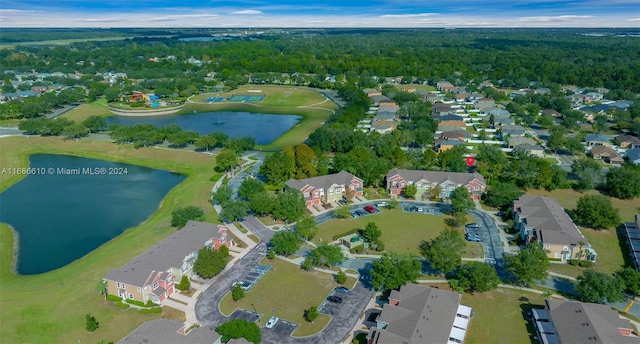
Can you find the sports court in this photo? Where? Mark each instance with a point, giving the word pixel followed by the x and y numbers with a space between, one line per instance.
pixel 245 98
pixel 214 99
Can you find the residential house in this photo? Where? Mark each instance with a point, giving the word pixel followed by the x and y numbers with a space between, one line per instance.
pixel 627 141
pixel 445 145
pixel 511 130
pixel 564 321
pixel 372 92
pixel 328 188
pixel 542 219
pixel 633 156
pixel 596 140
pixel 632 233
pixel 449 117
pixel 385 116
pixel 542 90
pixel 458 135
pixel 376 98
pixel 460 97
pixel 520 140
pixel 484 103
pixel 606 154
pixel 431 98
pixel 576 100
pixel 165 331
pixel 534 150
pixel 418 314
pixel 459 125
pixel 383 127
pixel 551 112
pixel 595 96
pixel 152 275
pixel 387 102
pixel 445 86
pixel 397 179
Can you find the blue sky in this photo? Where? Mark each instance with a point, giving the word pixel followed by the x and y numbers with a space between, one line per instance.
pixel 330 13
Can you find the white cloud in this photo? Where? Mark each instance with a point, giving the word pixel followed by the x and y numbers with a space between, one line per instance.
pixel 247 12
pixel 552 18
pixel 633 19
pixel 8 11
pixel 176 17
pixel 416 15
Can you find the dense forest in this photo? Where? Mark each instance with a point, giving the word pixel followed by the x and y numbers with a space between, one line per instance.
pixel 507 57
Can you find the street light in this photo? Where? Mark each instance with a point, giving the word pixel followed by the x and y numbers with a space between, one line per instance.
pixel 254 310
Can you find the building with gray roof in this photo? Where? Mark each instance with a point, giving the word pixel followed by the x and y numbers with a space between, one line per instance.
pixel 418 314
pixel 397 179
pixel 165 331
pixel 562 322
pixel 542 219
pixel 328 188
pixel 633 155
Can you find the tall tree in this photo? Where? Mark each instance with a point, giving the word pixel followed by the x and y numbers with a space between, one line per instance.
pixel 596 211
pixel 530 264
pixel 226 160
pixel 477 277
pixel 630 279
pixel 290 206
pixel 394 270
pixel 285 243
pixel 624 182
pixel 306 227
pixel 599 287
pixel 240 328
pixel 209 262
pixel 181 216
pixel 501 195
pixel 460 200
pixel 325 255
pixel 444 252
pixel 371 232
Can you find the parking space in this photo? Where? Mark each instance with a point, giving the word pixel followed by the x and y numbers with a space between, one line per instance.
pixel 283 328
pixel 428 209
pixel 246 315
pixel 364 210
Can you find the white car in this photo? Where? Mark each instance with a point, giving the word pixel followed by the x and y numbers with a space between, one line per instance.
pixel 272 322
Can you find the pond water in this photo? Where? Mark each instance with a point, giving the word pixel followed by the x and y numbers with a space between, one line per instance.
pixel 72 205
pixel 264 128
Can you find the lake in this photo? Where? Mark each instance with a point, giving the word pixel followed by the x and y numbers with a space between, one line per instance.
pixel 264 128
pixel 73 205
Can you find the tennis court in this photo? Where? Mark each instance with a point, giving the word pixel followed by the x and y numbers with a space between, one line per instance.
pixel 245 98
pixel 214 99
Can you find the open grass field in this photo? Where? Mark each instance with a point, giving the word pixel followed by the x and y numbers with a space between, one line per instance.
pixel 61 41
pixel 97 108
pixel 607 243
pixel 312 106
pixel 499 316
pixel 50 307
pixel 288 290
pixel 401 232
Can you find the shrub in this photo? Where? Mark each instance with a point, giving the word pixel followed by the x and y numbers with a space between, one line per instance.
pixel 341 277
pixel 114 298
pixel 135 302
pixel 585 263
pixel 572 262
pixel 184 284
pixel 91 324
pixel 215 177
pixel 357 249
pixel 380 246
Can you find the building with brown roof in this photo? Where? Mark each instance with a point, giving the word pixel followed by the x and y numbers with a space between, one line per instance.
pixel 567 322
pixel 606 154
pixel 165 331
pixel 417 314
pixel 397 179
pixel 627 141
pixel 328 188
pixel 542 219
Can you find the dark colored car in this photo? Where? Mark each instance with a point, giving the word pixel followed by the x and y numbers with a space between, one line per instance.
pixel 471 225
pixel 335 299
pixel 342 290
pixel 370 209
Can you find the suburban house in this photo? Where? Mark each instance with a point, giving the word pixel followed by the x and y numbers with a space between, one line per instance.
pixel 581 322
pixel 327 189
pixel 520 140
pixel 627 141
pixel 534 150
pixel 606 154
pixel 633 155
pixel 397 179
pixel 445 86
pixel 152 275
pixel 632 233
pixel 511 130
pixel 163 331
pixel 445 145
pixel 458 135
pixel 597 140
pixel 383 127
pixel 418 314
pixel 542 219
pixel 484 103
pixel 551 112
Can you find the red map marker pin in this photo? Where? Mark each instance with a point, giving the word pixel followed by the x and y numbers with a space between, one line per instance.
pixel 470 160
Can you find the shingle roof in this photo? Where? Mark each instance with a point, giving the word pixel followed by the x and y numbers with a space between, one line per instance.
pixel 597 151
pixel 322 182
pixel 169 253
pixel 424 315
pixel 633 154
pixel 164 331
pixel 550 221
pixel 581 322
pixel 596 138
pixel 459 178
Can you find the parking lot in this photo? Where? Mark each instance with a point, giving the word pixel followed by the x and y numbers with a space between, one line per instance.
pixel 282 328
pixel 364 210
pixel 424 208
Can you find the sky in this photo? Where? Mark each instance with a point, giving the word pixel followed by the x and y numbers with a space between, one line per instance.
pixel 328 13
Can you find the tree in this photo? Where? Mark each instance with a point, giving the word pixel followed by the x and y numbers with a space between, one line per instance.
pixel 290 206
pixel 234 210
pixel 95 123
pixel 589 173
pixel 181 216
pixel 342 212
pixel 477 277
pixel 371 232
pixel 410 190
pixel 599 287
pixel 209 262
pixel 275 169
pixel 460 200
pixel 529 265
pixel 311 314
pixel 102 288
pixel 623 182
pixel 630 279
pixel 394 270
pixel 91 324
pixel 184 284
pixel 341 277
pixel 239 328
pixel 596 211
pixel 307 227
pixel 249 187
pixel 325 255
pixel 285 243
pixel 226 160
pixel 261 203
pixel 237 293
pixel 444 252
pixel 556 137
pixel 501 195
pixel 222 195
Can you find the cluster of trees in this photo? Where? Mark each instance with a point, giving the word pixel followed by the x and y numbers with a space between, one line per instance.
pixel 240 328
pixel 62 126
pixel 297 162
pixel 210 261
pixel 444 252
pixel 324 255
pixel 181 216
pixel 35 106
pixel 596 211
pixel 287 205
pixel 599 287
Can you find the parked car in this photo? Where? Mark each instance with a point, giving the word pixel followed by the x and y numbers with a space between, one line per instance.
pixel 342 201
pixel 334 299
pixel 370 209
pixel 471 225
pixel 272 322
pixel 244 284
pixel 341 290
pixel 419 209
pixel 413 208
pixel 359 212
pixel 382 204
pixel 354 214
pixel 473 237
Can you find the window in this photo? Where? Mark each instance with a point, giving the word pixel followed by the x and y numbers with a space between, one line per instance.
pixel 556 255
pixel 418 185
pixel 330 191
pixel 547 246
pixel 476 188
pixel 394 183
pixel 155 285
pixel 131 296
pixel 306 194
pixel 118 285
pixel 139 289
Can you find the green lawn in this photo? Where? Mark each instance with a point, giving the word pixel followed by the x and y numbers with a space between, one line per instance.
pixel 97 108
pixel 499 316
pixel 606 242
pixel 50 307
pixel 286 291
pixel 401 232
pixel 566 269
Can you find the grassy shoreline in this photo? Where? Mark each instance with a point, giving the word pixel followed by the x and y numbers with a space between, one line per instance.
pixel 50 307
